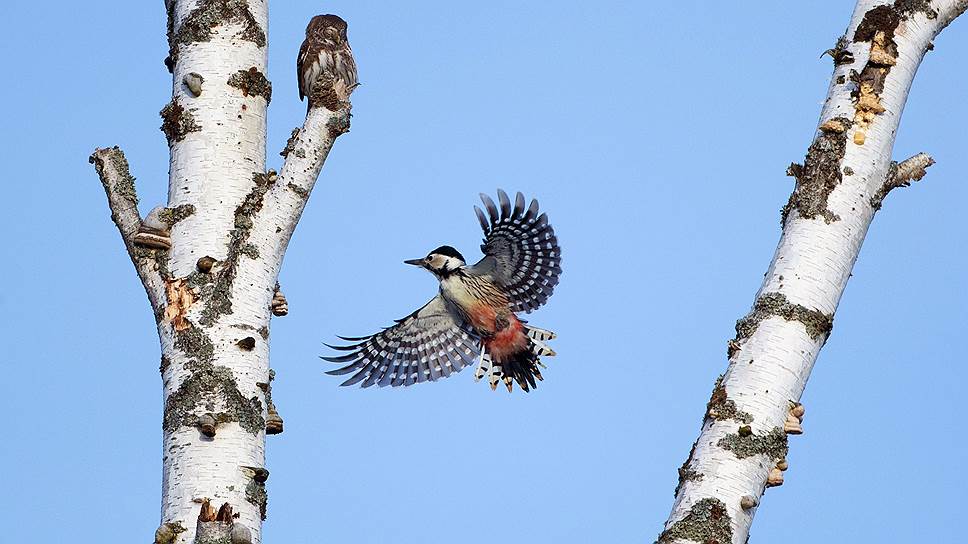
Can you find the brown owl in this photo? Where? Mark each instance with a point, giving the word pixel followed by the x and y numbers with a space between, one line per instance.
pixel 326 50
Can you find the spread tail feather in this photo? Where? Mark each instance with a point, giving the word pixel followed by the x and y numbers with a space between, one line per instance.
pixel 522 367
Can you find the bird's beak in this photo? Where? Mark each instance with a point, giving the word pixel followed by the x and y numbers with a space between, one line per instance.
pixel 415 262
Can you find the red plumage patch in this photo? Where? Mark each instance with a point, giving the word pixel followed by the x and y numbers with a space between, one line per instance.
pixel 504 333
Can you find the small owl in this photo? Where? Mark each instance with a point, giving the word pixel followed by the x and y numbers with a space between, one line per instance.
pixel 326 50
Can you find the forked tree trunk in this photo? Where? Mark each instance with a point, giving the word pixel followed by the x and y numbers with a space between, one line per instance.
pixel 841 184
pixel 209 261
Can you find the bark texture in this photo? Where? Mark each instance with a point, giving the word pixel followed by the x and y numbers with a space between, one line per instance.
pixel 210 260
pixel 841 183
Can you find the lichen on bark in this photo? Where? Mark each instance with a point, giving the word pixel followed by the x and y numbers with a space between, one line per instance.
pixel 168 532
pixel 208 388
pixel 125 183
pixel 772 444
pixel 200 25
pixel 339 125
pixel 177 121
pixel 722 408
pixel 171 216
pixel 255 493
pixel 219 302
pixel 707 522
pixel 818 176
pixel 250 250
pixel 817 323
pixel 252 82
pixel 195 344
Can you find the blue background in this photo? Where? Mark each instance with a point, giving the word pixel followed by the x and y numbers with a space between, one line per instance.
pixel 655 135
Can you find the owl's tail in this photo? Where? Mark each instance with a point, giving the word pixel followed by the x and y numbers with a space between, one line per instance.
pixel 521 366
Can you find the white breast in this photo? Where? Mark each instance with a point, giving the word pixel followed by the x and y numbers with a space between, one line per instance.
pixel 456 291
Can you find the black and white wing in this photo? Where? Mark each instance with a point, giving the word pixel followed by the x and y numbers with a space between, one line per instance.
pixel 520 251
pixel 433 342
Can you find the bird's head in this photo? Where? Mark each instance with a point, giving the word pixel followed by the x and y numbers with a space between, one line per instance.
pixel 330 29
pixel 441 261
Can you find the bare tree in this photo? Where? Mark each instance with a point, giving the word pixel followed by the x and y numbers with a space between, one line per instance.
pixel 842 182
pixel 209 260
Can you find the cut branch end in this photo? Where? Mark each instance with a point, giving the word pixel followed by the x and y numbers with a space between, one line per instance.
pixel 901 175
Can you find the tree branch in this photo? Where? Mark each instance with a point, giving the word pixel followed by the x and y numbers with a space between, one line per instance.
pixel 742 447
pixel 901 175
pixel 112 168
pixel 305 153
pixel 284 201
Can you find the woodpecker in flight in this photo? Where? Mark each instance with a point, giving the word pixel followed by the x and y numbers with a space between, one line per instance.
pixel 472 318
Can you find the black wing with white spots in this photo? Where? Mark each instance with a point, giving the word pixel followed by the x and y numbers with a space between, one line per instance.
pixel 521 250
pixel 433 342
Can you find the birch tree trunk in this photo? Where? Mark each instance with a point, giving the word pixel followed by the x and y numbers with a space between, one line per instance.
pixel 846 175
pixel 209 261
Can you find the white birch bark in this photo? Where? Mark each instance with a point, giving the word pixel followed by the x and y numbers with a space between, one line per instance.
pixel 227 224
pixel 848 170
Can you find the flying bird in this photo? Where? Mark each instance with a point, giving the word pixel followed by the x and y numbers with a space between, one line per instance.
pixel 326 50
pixel 473 317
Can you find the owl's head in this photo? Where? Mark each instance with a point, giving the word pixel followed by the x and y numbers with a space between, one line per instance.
pixel 329 29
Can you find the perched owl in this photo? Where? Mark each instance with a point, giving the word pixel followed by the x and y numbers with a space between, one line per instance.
pixel 326 50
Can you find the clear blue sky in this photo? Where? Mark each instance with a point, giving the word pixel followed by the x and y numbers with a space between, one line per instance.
pixel 655 135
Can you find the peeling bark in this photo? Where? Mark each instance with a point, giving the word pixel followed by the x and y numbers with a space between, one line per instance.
pixel 210 262
pixel 848 171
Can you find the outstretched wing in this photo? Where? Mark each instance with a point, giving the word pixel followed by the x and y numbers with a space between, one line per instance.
pixel 433 342
pixel 520 251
